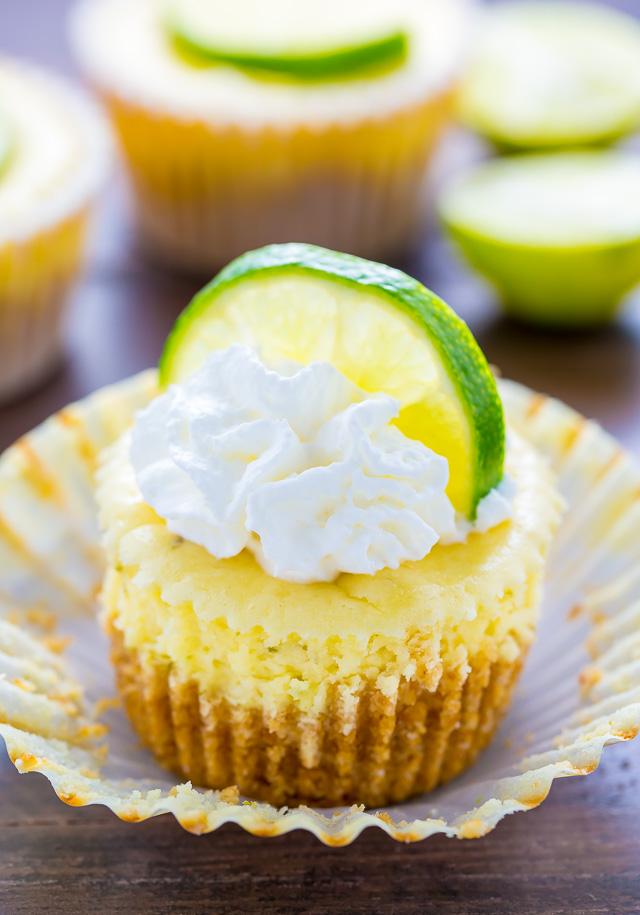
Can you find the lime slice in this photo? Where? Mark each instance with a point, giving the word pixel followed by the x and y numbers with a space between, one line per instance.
pixel 381 328
pixel 558 234
pixel 290 38
pixel 551 75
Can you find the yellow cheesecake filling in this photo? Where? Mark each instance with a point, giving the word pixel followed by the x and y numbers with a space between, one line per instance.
pixel 236 631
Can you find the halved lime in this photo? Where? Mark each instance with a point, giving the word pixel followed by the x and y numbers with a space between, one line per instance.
pixel 291 38
pixel 381 328
pixel 548 75
pixel 558 234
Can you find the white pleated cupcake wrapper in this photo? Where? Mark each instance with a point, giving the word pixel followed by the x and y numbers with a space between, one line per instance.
pixel 372 212
pixel 580 690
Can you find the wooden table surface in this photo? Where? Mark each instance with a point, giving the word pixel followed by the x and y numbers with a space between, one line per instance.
pixel 578 853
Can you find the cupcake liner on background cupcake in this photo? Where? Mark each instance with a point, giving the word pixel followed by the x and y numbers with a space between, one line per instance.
pixel 57 162
pixel 220 162
pixel 580 689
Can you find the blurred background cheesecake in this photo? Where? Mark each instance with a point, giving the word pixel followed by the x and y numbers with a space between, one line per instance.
pixel 53 157
pixel 245 124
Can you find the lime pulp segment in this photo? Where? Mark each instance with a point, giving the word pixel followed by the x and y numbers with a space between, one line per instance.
pixel 555 200
pixel 381 328
pixel 289 39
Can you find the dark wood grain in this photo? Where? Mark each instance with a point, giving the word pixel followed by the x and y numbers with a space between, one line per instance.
pixel 578 853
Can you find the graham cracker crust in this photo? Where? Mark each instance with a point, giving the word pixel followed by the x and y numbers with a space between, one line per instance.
pixel 382 751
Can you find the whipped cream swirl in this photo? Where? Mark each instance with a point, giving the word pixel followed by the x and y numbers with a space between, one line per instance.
pixel 299 465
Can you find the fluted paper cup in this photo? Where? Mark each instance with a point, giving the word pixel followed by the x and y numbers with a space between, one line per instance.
pixel 580 690
pixel 203 193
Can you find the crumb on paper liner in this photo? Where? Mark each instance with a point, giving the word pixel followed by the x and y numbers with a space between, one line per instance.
pixel 50 563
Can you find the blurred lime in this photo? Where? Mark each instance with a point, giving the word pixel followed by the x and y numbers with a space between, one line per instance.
pixel 551 75
pixel 290 38
pixel 558 234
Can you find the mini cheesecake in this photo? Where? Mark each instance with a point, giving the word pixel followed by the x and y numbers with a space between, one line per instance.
pixel 367 689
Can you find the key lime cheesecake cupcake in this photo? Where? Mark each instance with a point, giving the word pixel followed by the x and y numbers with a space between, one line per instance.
pixel 53 156
pixel 247 123
pixel 324 552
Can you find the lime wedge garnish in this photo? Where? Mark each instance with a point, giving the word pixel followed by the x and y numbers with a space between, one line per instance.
pixel 378 326
pixel 289 38
pixel 558 234
pixel 548 75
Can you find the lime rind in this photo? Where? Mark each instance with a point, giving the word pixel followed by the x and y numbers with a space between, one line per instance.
pixel 373 58
pixel 462 361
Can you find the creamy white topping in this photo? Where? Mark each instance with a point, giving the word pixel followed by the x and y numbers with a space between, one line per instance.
pixel 300 466
pixel 59 150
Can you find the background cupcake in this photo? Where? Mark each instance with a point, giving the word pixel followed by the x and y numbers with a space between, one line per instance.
pixel 53 157
pixel 222 158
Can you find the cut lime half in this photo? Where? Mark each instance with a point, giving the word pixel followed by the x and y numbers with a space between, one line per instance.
pixel 290 38
pixel 381 328
pixel 551 75
pixel 558 234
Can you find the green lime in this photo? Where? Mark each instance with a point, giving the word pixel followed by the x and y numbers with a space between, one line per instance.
pixel 551 75
pixel 381 328
pixel 290 38
pixel 558 234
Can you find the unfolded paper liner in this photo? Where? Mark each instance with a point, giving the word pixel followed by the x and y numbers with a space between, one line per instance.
pixel 580 690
